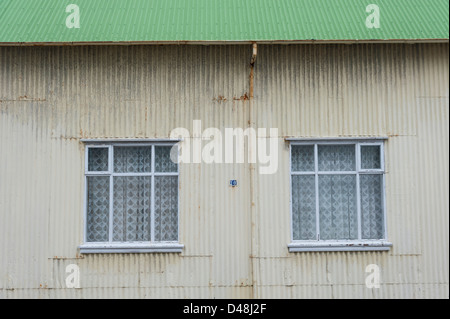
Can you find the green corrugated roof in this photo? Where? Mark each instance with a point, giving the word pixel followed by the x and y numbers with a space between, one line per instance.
pixel 38 21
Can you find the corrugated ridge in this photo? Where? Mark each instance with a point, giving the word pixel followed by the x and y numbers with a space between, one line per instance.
pixel 39 21
pixel 50 98
pixel 399 91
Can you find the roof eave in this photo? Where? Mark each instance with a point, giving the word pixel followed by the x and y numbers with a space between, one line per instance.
pixel 225 42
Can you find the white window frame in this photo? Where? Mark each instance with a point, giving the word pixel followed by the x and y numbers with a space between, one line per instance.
pixel 135 246
pixel 340 245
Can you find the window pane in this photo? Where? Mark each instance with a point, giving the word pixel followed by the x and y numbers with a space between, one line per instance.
pixel 303 207
pixel 370 157
pixel 337 207
pixel 372 217
pixel 97 209
pixel 132 196
pixel 163 163
pixel 166 208
pixel 97 159
pixel 303 158
pixel 133 159
pixel 337 158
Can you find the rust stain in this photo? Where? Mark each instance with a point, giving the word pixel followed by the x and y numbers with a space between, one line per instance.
pixel 244 97
pixel 67 138
pixel 67 258
pixel 220 98
pixel 252 77
pixel 25 98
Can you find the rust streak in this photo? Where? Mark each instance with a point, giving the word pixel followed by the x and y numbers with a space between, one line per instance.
pixel 25 98
pixel 244 97
pixel 251 80
pixel 220 98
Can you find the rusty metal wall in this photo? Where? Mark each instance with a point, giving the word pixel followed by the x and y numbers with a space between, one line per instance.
pixel 397 91
pixel 52 97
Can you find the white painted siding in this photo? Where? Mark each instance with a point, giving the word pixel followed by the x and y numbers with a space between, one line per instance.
pixel 51 97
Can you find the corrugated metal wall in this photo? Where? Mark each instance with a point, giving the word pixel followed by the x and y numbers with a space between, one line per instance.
pixel 399 91
pixel 52 97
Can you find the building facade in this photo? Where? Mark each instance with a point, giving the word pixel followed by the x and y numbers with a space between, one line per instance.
pixel 235 242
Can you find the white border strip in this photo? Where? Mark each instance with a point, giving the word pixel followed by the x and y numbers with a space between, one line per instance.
pixel 340 246
pixel 333 139
pixel 134 140
pixel 130 248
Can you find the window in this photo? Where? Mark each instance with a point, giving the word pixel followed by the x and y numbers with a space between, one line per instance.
pixel 337 196
pixel 131 199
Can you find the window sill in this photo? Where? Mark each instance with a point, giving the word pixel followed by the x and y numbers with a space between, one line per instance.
pixel 130 248
pixel 315 246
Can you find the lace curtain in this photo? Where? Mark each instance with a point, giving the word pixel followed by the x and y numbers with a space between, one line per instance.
pixel 98 209
pixel 132 195
pixel 304 207
pixel 98 159
pixel 338 193
pixel 372 216
pixel 370 157
pixel 166 208
pixel 132 159
pixel 132 210
pixel 337 207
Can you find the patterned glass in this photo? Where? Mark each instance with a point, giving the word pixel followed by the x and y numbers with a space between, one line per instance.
pixel 131 211
pixel 166 208
pixel 133 159
pixel 303 158
pixel 131 217
pixel 337 207
pixel 98 159
pixel 370 157
pixel 337 158
pixel 304 207
pixel 97 209
pixel 163 163
pixel 372 217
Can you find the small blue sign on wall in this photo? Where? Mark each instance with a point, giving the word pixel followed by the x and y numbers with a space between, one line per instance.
pixel 233 183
